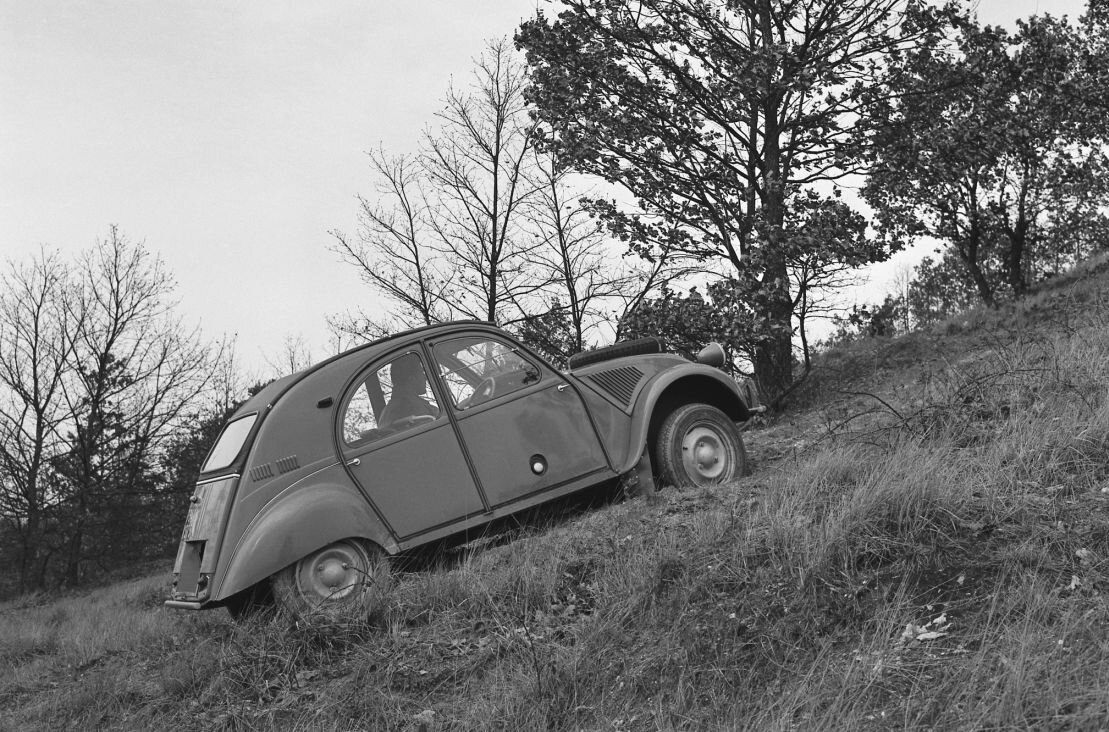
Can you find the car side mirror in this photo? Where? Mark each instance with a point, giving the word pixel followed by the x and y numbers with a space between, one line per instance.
pixel 712 355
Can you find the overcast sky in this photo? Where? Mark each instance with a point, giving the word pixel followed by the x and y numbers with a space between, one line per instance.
pixel 230 136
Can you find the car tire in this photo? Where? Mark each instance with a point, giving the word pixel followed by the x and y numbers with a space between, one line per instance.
pixel 697 445
pixel 350 575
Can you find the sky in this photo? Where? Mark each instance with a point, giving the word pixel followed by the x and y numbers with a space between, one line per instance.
pixel 230 137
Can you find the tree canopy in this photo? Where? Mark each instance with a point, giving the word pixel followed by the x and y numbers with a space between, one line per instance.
pixel 723 121
pixel 993 143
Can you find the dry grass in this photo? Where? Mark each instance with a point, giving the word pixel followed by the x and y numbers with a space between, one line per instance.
pixel 926 547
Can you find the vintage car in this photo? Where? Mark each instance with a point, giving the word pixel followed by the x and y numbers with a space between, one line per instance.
pixel 321 476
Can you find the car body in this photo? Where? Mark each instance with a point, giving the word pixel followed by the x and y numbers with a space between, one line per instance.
pixel 429 433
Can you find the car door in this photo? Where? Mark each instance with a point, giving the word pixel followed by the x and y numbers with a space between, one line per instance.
pixel 400 447
pixel 524 428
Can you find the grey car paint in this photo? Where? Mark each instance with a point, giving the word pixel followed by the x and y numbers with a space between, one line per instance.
pixel 295 485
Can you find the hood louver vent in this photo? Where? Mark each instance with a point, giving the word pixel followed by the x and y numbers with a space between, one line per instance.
pixel 619 382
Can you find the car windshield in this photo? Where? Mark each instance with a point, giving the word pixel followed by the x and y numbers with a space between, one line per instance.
pixel 230 442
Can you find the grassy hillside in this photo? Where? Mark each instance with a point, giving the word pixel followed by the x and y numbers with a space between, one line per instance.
pixel 924 545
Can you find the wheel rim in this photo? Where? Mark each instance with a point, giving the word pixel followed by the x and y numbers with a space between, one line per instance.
pixel 337 572
pixel 705 454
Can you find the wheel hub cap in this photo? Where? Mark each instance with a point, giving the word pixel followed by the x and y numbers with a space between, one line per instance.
pixel 334 573
pixel 704 454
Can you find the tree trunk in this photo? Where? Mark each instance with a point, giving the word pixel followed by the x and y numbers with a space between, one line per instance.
pixel 774 354
pixel 1014 258
pixel 985 292
pixel 1014 269
pixel 29 552
pixel 968 252
pixel 74 547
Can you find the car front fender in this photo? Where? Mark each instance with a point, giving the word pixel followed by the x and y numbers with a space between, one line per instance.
pixel 672 388
pixel 295 523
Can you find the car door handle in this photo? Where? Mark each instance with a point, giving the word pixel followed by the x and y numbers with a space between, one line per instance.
pixel 562 387
pixel 355 461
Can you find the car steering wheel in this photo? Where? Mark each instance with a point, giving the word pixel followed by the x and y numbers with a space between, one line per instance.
pixel 484 391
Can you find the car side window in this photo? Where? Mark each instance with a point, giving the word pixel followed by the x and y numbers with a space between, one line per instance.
pixel 476 369
pixel 393 398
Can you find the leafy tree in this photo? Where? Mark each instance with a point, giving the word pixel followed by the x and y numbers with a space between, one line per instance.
pixel 939 288
pixel 717 118
pixel 688 322
pixel 993 143
pixel 825 242
pixel 685 322
pixel 869 321
pixel 551 333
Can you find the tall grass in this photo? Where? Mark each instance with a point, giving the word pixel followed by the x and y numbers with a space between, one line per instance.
pixel 931 556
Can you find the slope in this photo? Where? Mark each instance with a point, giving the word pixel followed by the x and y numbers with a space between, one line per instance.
pixel 923 545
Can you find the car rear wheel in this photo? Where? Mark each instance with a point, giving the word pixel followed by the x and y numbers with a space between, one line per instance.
pixel 697 445
pixel 350 574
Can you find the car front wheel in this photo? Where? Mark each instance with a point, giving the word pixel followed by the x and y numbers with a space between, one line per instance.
pixel 697 445
pixel 350 574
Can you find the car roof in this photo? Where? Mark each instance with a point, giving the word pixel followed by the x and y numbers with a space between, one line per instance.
pixel 397 338
pixel 276 389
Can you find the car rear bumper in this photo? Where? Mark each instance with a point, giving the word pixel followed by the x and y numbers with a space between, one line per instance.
pixel 184 605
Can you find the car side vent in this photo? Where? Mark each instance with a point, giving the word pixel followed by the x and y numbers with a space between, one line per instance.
pixel 619 382
pixel 285 464
pixel 261 472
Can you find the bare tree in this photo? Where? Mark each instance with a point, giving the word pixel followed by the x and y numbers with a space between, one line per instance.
pixel 478 183
pixel 445 236
pixel 392 251
pixel 135 370
pixel 295 355
pixel 481 224
pixel 588 284
pixel 37 328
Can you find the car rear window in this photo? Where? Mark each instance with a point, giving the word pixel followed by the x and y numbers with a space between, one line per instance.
pixel 229 443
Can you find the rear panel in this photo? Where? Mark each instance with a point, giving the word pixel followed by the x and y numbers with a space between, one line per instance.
pixel 209 508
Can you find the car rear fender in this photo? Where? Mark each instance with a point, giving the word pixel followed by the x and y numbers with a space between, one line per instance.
pixel 294 524
pixel 673 388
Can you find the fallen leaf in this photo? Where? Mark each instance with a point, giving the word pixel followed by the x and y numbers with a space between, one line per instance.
pixel 304 676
